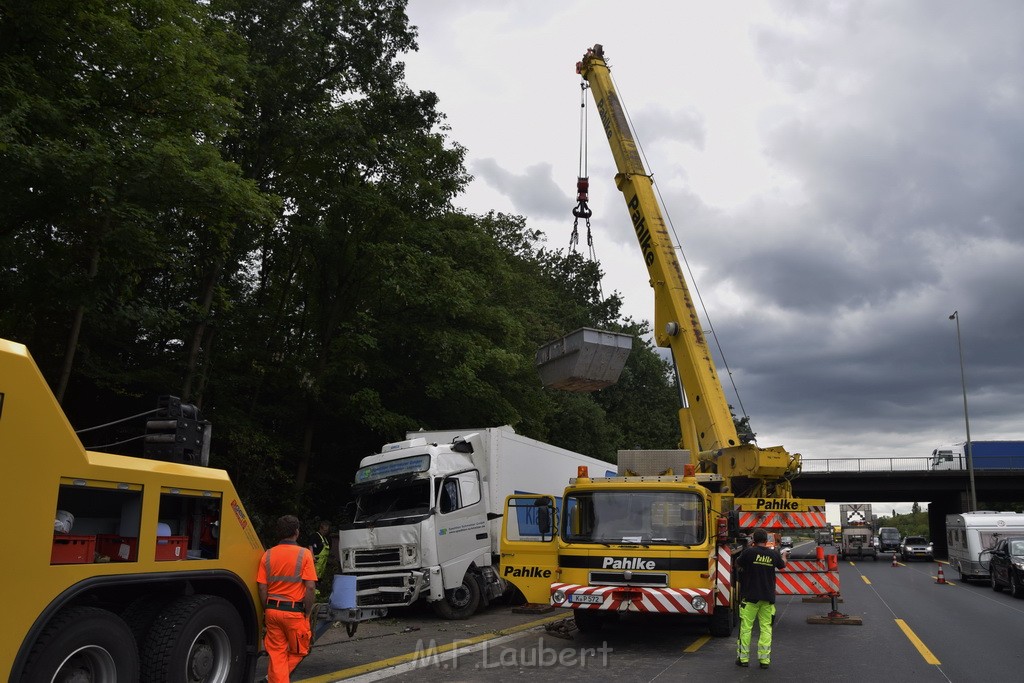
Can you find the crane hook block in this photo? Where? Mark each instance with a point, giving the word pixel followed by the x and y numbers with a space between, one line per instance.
pixel 582 197
pixel 582 189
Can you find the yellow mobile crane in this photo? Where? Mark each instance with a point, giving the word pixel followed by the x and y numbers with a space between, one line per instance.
pixel 658 537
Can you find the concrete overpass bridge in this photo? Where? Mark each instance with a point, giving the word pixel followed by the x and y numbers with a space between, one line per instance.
pixel 871 480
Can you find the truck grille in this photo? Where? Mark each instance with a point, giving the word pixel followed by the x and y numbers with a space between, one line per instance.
pixel 368 592
pixel 378 557
pixel 636 579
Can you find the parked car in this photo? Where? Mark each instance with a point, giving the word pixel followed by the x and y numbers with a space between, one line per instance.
pixel 916 548
pixel 786 542
pixel 1006 565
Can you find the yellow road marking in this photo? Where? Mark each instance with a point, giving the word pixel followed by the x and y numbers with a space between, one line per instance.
pixel 429 653
pixel 698 644
pixel 916 642
pixel 866 579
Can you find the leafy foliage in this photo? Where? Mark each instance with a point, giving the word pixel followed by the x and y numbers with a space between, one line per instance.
pixel 243 203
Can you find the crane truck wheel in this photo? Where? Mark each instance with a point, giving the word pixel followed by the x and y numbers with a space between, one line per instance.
pixel 84 644
pixel 588 620
pixel 195 638
pixel 460 602
pixel 721 622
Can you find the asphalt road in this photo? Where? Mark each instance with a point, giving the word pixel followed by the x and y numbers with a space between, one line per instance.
pixel 913 629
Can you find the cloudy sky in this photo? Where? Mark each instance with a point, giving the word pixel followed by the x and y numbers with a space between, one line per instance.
pixel 841 176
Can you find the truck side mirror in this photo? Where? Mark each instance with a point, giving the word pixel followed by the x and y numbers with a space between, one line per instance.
pixel 543 517
pixel 734 523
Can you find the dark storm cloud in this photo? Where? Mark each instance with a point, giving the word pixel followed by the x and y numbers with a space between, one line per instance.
pixel 533 193
pixel 907 140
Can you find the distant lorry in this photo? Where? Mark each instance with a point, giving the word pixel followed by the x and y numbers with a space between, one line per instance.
pixel 427 518
pixel 855 520
pixel 970 535
pixel 985 455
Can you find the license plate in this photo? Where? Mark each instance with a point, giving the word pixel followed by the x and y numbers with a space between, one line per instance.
pixel 586 599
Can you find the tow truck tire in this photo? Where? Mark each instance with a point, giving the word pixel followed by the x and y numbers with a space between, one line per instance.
pixel 460 602
pixel 195 638
pixel 140 614
pixel 84 643
pixel 721 622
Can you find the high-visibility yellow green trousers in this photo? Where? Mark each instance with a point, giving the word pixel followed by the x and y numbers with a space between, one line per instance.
pixel 762 611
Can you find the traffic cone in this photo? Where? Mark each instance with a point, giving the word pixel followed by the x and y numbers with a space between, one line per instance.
pixel 940 577
pixel 894 560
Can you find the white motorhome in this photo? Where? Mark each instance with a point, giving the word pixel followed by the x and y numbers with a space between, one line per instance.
pixel 971 534
pixel 428 513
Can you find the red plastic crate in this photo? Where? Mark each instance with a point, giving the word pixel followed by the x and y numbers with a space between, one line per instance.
pixel 118 548
pixel 171 548
pixel 69 549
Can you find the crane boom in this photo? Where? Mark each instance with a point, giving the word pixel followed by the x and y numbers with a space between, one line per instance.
pixel 706 423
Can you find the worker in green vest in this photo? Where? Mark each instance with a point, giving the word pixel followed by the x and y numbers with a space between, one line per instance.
pixel 320 546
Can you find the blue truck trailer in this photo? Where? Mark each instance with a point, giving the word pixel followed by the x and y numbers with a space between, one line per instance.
pixel 986 455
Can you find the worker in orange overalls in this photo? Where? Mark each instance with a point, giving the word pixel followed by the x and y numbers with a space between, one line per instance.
pixel 286 580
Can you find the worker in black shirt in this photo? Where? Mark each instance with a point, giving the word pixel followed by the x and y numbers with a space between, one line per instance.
pixel 756 566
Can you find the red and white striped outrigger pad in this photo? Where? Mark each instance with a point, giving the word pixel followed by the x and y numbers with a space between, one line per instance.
pixel 634 598
pixel 724 578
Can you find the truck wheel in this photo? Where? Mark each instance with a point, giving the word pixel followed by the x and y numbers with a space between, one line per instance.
pixel 588 620
pixel 84 644
pixel 460 602
pixel 195 638
pixel 721 621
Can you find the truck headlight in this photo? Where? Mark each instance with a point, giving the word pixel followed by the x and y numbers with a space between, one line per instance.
pixel 558 597
pixel 699 603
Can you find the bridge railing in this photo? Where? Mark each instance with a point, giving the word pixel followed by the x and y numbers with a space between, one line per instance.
pixel 838 465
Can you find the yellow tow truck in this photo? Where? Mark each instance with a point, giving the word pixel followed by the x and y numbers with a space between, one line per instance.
pixel 104 578
pixel 120 568
pixel 659 537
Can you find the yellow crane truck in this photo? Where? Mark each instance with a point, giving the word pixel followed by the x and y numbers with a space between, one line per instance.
pixel 126 585
pixel 660 536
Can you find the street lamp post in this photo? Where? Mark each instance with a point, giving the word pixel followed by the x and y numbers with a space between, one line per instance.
pixel 967 420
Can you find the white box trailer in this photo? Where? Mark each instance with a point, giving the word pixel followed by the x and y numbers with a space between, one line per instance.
pixel 427 520
pixel 971 534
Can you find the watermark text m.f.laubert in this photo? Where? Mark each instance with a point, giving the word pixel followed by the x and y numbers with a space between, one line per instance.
pixel 430 654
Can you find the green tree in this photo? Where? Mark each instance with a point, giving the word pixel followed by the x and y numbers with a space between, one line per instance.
pixel 112 117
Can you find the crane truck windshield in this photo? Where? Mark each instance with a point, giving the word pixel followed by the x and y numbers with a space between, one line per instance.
pixel 644 517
